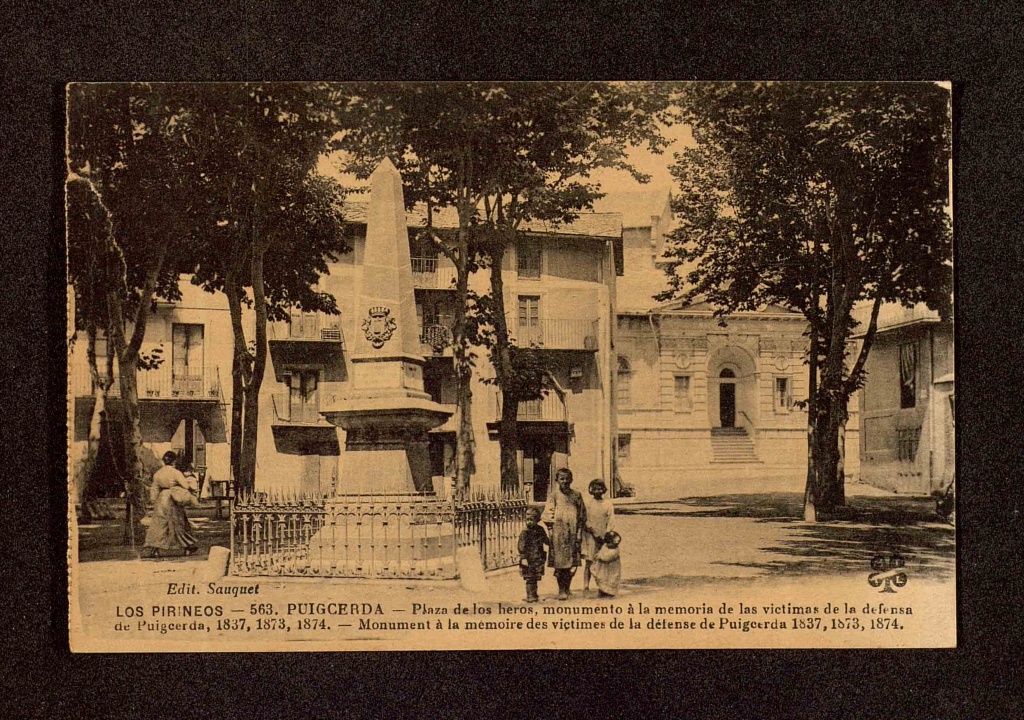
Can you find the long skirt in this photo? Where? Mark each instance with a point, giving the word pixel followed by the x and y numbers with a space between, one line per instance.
pixel 170 528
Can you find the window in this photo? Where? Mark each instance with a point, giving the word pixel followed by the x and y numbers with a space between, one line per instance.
pixel 528 259
pixel 783 394
pixel 623 385
pixel 906 443
pixel 622 453
pixel 682 396
pixel 529 320
pixel 908 375
pixel 186 359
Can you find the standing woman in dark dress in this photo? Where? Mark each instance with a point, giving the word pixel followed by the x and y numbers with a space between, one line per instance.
pixel 566 517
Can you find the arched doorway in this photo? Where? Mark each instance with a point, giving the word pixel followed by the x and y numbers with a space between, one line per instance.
pixel 727 398
pixel 732 388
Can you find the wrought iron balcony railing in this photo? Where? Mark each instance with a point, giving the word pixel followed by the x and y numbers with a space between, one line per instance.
pixel 311 326
pixel 436 339
pixel 431 274
pixel 556 334
pixel 170 383
pixel 550 408
pixel 290 410
pixel 163 383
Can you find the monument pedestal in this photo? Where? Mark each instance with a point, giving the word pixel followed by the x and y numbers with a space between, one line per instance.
pixel 386 419
pixel 386 443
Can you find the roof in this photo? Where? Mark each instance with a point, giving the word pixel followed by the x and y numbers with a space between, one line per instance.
pixel 893 316
pixel 637 207
pixel 604 225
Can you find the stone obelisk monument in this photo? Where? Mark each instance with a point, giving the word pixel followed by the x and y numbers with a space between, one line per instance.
pixel 386 415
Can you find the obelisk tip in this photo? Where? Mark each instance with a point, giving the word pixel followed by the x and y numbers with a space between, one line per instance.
pixel 385 167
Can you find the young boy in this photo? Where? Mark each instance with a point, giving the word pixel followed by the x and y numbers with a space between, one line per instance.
pixel 531 553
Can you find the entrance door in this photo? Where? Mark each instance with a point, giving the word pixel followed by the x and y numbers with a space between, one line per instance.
pixel 537 466
pixel 727 399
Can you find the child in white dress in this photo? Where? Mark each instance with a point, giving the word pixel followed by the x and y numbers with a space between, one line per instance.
pixel 608 566
pixel 600 520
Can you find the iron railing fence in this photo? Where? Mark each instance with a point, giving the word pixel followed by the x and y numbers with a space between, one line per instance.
pixel 493 525
pixel 371 536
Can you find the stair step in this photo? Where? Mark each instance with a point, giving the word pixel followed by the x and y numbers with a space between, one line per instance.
pixel 732 446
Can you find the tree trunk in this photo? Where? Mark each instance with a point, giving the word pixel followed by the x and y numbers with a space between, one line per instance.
pixel 237 410
pixel 240 368
pixel 465 464
pixel 508 439
pixel 831 472
pixel 508 432
pixel 85 477
pixel 135 506
pixel 252 390
pixel 811 490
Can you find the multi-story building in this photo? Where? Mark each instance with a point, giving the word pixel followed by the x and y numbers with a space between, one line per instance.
pixel 659 395
pixel 559 297
pixel 183 403
pixel 907 440
pixel 698 403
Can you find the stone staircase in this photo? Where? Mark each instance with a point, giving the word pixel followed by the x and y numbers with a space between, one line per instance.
pixel 732 446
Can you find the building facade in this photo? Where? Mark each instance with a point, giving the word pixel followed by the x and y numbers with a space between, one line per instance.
pixel 183 404
pixel 907 439
pixel 701 405
pixel 558 294
pixel 657 396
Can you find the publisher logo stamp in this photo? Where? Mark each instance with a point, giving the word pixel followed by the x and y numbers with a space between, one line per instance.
pixel 888 572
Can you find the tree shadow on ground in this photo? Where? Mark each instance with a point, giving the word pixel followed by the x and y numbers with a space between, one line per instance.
pixel 101 540
pixel 868 528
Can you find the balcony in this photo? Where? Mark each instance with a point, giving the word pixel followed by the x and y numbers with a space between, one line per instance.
pixel 892 316
pixel 163 383
pixel 553 334
pixel 311 327
pixel 436 339
pixel 169 383
pixel 429 274
pixel 544 417
pixel 290 410
pixel 550 408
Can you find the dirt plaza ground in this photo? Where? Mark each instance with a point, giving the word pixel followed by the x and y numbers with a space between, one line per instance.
pixel 729 544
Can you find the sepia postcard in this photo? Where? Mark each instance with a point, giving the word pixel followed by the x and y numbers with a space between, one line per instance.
pixel 510 365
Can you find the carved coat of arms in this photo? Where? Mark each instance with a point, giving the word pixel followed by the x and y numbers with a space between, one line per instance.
pixel 379 326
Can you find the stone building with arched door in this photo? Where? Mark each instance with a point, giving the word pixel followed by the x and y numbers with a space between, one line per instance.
pixel 701 406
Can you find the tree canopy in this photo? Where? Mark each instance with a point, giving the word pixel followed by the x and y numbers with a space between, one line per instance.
pixel 502 154
pixel 816 197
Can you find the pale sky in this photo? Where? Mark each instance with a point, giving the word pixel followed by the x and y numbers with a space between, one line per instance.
pixel 611 180
pixel 654 165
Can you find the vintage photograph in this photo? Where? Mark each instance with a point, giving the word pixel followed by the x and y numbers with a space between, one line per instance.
pixel 510 365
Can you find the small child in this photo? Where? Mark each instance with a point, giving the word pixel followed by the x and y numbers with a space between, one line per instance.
pixel 531 553
pixel 608 565
pixel 600 520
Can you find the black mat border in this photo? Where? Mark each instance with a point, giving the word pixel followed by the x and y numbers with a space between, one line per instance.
pixel 979 50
